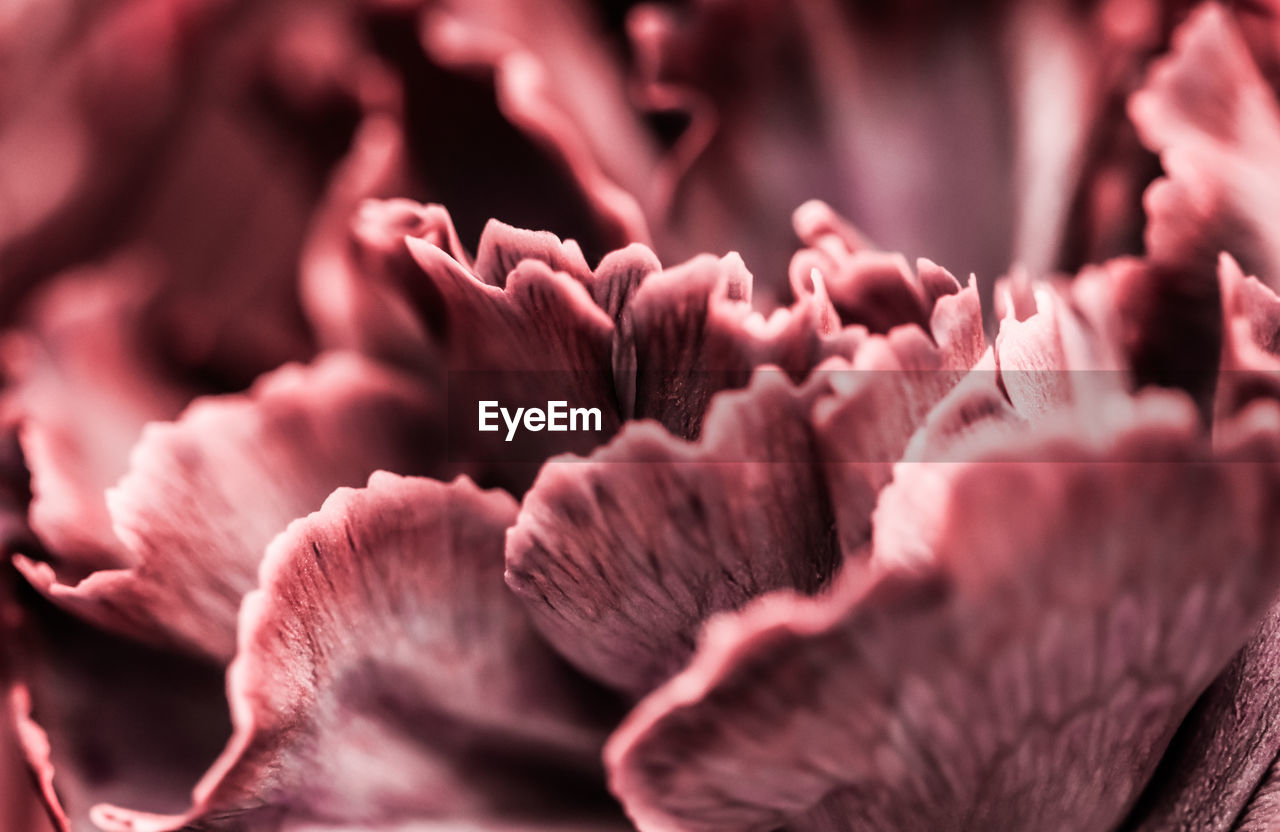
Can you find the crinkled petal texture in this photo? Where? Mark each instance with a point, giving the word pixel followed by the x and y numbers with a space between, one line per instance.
pixel 206 493
pixel 1070 600
pixel 385 673
pixel 622 556
pixel 883 395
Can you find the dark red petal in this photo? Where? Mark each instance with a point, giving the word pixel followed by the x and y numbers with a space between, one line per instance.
pixel 557 80
pixel 384 672
pixel 106 719
pixel 1171 328
pixel 1060 620
pixel 206 493
pixel 1208 112
pixel 695 334
pixel 620 557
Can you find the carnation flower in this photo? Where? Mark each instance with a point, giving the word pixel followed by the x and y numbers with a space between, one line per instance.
pixel 305 302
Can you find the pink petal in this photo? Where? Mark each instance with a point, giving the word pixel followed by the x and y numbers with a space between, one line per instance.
pixel 962 691
pixel 1216 124
pixel 382 627
pixel 882 397
pixel 348 298
pixel 25 749
pixel 155 132
pixel 1222 755
pixel 1056 359
pixel 206 493
pixel 620 557
pixel 85 350
pixel 1249 369
pixel 503 248
pixel 538 338
pixel 55 139
pixel 695 334
pixel 1263 810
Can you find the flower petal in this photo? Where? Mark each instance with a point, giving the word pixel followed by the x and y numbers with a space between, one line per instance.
pixel 1250 370
pixel 961 690
pixel 1225 748
pixel 83 352
pixel 206 493
pixel 789 103
pixel 557 79
pixel 537 339
pixel 104 718
pixel 695 334
pixel 1056 359
pixel 621 556
pixel 384 673
pixel 882 397
pixel 1263 810
pixel 1208 112
pixel 348 309
pixel 503 248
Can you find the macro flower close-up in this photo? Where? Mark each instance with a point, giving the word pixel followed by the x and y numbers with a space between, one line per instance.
pixel 673 415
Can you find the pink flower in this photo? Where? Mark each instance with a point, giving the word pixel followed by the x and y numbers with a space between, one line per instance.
pixel 832 554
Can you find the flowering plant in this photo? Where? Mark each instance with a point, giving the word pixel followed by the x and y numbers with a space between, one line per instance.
pixel 698 507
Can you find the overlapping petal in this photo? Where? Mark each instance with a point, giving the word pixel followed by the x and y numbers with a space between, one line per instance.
pixel 1028 673
pixel 1215 122
pixel 382 632
pixel 206 493
pixel 621 557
